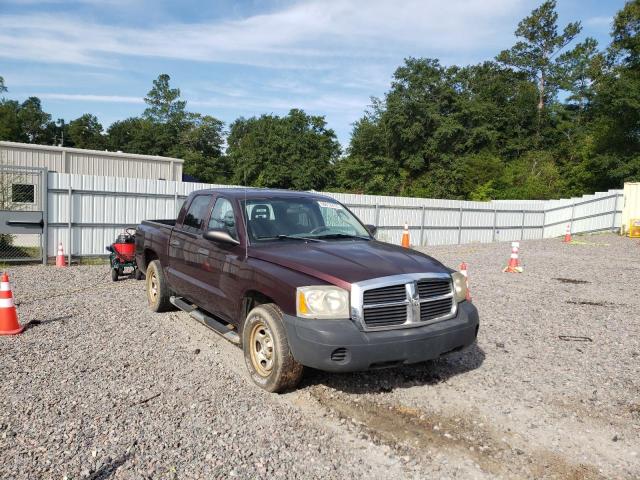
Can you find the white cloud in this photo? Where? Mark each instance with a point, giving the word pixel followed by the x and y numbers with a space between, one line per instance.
pixel 310 34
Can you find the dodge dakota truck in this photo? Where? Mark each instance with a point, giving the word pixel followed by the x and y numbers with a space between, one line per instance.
pixel 296 279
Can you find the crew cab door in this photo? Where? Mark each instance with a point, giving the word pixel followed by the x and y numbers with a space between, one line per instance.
pixel 185 255
pixel 222 263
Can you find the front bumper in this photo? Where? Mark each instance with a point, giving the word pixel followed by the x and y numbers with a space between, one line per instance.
pixel 340 346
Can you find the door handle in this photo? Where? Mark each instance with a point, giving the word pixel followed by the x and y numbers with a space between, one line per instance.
pixel 174 243
pixel 203 251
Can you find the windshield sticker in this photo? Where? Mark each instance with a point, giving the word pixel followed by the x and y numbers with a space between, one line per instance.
pixel 335 206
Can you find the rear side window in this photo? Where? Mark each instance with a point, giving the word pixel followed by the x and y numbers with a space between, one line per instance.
pixel 194 219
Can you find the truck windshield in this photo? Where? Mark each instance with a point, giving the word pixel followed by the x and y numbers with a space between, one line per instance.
pixel 304 218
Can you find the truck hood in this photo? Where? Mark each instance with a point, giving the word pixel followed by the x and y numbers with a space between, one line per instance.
pixel 343 262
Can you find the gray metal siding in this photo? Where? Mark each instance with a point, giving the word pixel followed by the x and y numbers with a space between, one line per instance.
pixel 90 162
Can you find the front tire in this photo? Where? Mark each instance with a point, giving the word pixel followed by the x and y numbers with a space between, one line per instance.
pixel 158 292
pixel 114 275
pixel 266 350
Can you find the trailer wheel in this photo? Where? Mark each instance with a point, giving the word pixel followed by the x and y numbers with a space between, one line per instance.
pixel 157 289
pixel 266 350
pixel 114 275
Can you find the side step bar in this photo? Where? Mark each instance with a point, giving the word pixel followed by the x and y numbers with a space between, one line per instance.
pixel 222 329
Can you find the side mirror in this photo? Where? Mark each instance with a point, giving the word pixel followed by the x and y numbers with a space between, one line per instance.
pixel 221 236
pixel 372 229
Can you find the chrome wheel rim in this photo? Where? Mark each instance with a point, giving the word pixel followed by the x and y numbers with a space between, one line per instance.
pixel 261 347
pixel 153 287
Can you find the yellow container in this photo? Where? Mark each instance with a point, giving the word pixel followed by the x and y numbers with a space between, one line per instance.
pixel 631 206
pixel 634 228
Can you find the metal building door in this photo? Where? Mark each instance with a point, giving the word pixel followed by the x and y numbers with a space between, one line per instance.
pixel 23 214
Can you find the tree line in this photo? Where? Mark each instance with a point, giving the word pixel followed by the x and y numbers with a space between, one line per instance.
pixel 549 117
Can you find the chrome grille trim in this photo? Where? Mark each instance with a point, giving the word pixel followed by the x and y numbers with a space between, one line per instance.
pixel 412 301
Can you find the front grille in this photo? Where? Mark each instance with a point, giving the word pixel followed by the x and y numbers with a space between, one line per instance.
pixel 385 316
pixel 393 306
pixel 433 288
pixel 392 293
pixel 435 309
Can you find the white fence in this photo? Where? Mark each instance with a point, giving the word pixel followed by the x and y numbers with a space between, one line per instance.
pixel 86 212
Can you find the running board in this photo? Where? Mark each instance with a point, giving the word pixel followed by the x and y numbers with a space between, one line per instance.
pixel 222 329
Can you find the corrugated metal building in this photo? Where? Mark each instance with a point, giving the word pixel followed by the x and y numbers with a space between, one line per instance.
pixel 90 162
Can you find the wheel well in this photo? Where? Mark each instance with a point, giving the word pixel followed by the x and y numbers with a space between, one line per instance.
pixel 149 256
pixel 252 299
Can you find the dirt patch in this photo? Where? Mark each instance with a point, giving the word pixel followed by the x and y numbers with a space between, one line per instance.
pixel 415 432
pixel 572 281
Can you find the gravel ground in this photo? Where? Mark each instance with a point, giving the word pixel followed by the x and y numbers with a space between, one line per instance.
pixel 99 387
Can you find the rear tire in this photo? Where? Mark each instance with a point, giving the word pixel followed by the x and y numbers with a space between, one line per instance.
pixel 138 275
pixel 266 350
pixel 114 275
pixel 158 292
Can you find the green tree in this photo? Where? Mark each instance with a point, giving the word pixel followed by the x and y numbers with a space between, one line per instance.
pixel 86 132
pixel 34 121
pixel 10 124
pixel 613 148
pixel 200 145
pixel 3 88
pixel 538 52
pixel 625 45
pixel 295 151
pixel 439 131
pixel 139 135
pixel 164 104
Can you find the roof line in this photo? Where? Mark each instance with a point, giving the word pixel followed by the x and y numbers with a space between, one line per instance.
pixel 86 151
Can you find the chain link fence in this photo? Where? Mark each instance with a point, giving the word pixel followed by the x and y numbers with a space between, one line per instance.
pixel 21 213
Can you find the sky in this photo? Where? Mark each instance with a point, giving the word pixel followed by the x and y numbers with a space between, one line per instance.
pixel 249 57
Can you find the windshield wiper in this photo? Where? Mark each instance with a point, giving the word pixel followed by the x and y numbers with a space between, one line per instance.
pixel 343 235
pixel 306 239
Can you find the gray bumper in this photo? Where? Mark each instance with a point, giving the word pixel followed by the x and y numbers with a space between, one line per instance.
pixel 340 346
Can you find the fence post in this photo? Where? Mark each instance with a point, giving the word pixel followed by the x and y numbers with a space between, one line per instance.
pixel 460 227
pixel 377 218
pixel 495 223
pixel 70 215
pixel 544 221
pixel 522 226
pixel 44 199
pixel 175 199
pixel 615 211
pixel 424 211
pixel 573 209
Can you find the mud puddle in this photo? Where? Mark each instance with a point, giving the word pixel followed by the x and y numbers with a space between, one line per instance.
pixel 423 434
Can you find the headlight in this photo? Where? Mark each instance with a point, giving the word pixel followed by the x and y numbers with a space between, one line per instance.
pixel 459 286
pixel 322 301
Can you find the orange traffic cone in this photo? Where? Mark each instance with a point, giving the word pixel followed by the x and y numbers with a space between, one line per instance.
pixel 405 236
pixel 60 257
pixel 463 271
pixel 514 262
pixel 8 315
pixel 567 235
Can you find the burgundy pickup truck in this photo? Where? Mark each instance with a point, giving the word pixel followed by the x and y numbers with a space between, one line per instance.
pixel 297 280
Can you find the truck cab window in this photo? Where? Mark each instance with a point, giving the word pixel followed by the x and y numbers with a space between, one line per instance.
pixel 194 219
pixel 222 217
